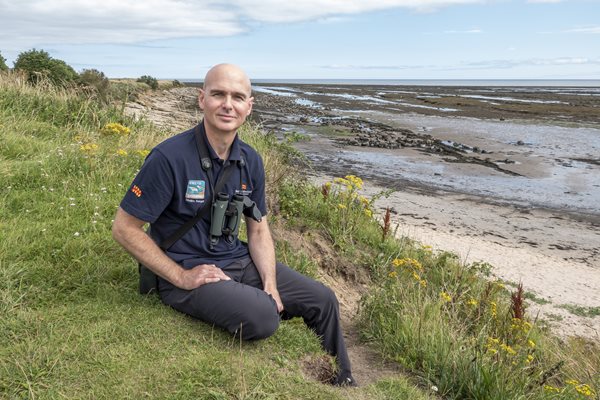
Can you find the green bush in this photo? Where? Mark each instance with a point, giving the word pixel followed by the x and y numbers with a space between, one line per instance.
pixel 95 79
pixel 38 64
pixel 149 80
pixel 3 66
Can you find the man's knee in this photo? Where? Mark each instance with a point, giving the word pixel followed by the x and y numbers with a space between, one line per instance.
pixel 326 298
pixel 259 325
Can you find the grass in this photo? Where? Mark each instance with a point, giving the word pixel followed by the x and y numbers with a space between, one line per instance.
pixel 72 324
pixel 581 311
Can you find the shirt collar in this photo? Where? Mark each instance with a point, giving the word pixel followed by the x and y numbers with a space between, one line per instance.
pixel 234 152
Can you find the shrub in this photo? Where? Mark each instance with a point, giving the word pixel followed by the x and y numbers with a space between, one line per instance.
pixel 149 80
pixel 95 79
pixel 3 66
pixel 39 64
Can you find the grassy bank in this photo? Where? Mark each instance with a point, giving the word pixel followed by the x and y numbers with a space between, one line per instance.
pixel 73 325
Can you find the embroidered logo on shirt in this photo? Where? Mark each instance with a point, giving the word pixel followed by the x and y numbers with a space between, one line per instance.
pixel 195 190
pixel 137 191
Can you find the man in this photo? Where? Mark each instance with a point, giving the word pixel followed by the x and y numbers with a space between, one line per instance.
pixel 208 273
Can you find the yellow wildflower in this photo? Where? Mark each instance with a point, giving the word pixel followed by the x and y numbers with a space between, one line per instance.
pixel 493 309
pixel 585 390
pixel 509 350
pixel 122 152
pixel 531 343
pixel 115 128
pixel 572 382
pixel 393 274
pixel 472 302
pixel 551 389
pixel 398 262
pixel 88 147
pixel 354 181
pixel 529 359
pixel 143 153
pixel 445 297
pixel 368 213
pixel 342 206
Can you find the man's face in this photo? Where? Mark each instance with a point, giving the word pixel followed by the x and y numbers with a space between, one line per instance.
pixel 225 99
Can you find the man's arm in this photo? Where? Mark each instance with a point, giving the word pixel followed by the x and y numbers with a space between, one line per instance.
pixel 128 231
pixel 262 252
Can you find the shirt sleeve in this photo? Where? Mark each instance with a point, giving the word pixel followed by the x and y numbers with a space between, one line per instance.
pixel 151 190
pixel 258 186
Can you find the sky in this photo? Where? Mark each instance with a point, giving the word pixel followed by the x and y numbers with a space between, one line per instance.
pixel 312 39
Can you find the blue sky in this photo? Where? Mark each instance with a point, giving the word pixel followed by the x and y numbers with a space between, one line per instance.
pixel 313 39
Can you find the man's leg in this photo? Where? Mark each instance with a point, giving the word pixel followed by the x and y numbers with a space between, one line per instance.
pixel 227 304
pixel 316 304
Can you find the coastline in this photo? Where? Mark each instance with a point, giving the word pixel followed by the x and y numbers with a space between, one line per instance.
pixel 550 245
pixel 553 252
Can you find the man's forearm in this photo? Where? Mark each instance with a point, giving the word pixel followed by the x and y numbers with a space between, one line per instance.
pixel 142 248
pixel 262 252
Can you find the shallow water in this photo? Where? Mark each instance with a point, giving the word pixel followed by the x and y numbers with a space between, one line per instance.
pixel 548 157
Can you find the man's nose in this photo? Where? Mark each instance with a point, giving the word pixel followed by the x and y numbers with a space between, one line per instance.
pixel 227 102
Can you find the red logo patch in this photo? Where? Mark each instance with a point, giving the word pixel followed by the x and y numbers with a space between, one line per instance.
pixel 137 191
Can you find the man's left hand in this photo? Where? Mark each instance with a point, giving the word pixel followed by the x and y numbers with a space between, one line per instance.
pixel 275 294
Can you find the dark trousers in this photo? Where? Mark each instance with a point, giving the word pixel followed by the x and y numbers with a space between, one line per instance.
pixel 241 306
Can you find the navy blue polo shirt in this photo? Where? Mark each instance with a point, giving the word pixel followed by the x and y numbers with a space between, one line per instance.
pixel 171 186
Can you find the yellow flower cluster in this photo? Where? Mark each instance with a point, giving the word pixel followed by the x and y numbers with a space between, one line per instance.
pixel 445 297
pixel 413 266
pixel 520 326
pixel 409 263
pixel 494 345
pixel 114 128
pixel 142 153
pixel 472 302
pixel 581 388
pixel 88 147
pixel 551 389
pixel 493 309
pixel 122 152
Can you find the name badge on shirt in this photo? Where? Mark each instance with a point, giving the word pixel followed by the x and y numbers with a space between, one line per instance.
pixel 195 191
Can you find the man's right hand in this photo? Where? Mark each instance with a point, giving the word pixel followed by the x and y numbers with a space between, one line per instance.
pixel 199 275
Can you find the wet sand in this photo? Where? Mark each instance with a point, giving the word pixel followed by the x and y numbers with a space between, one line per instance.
pixel 535 219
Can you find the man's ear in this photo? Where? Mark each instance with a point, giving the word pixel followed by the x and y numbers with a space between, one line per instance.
pixel 201 99
pixel 251 102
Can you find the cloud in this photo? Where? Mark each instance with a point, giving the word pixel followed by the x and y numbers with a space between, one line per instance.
pixel 507 64
pixel 488 64
pixel 469 31
pixel 593 29
pixel 545 1
pixel 40 22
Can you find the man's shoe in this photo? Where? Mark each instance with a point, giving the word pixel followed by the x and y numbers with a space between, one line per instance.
pixel 344 380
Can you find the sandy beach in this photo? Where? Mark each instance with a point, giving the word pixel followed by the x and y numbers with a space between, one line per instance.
pixel 504 176
pixel 523 195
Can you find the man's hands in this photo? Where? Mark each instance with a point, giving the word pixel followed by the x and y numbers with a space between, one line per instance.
pixel 275 294
pixel 199 275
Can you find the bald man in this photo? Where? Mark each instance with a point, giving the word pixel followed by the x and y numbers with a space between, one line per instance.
pixel 208 273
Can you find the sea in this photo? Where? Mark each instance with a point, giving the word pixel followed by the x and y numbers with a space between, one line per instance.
pixel 564 158
pixel 591 83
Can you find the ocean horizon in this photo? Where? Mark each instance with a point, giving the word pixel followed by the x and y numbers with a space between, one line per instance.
pixel 429 82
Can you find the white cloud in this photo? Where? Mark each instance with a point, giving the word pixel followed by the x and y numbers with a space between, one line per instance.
pixel 506 64
pixel 27 23
pixel 592 29
pixel 483 65
pixel 466 31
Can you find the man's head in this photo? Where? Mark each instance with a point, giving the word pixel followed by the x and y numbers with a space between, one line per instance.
pixel 225 99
